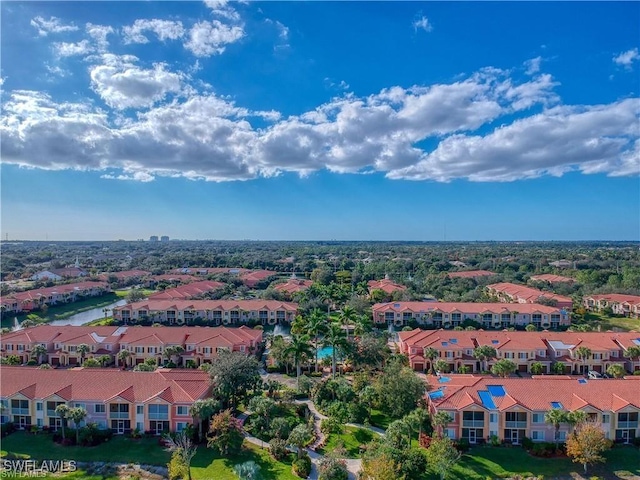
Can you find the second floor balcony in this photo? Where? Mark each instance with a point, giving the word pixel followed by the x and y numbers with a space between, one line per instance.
pixel 511 424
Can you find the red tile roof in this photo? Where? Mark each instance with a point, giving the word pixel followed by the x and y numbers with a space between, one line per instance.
pixel 201 305
pixel 463 307
pixel 38 293
pixel 293 285
pixel 386 285
pixel 616 297
pixel 103 384
pixel 528 294
pixel 191 290
pixel 537 392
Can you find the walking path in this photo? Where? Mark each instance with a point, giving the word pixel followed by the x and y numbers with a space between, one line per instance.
pixel 354 465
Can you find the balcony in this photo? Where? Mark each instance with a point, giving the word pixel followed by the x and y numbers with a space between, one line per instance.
pixel 473 423
pixel 158 416
pixel 19 411
pixel 52 413
pixel 121 415
pixel 519 425
pixel 632 424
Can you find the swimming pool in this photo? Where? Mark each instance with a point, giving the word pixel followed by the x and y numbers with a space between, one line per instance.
pixel 325 352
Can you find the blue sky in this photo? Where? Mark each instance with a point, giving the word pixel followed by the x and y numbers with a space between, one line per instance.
pixel 320 120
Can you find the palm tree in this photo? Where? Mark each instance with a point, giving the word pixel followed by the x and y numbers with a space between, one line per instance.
pixel 347 317
pixel 123 355
pixel 631 353
pixel 575 418
pixel 316 324
pixel 172 350
pixel 300 350
pixel 77 414
pixel 334 339
pixel 82 350
pixel 104 360
pixel 203 410
pixel 556 417
pixel 440 421
pixel 38 351
pixel 63 412
pixel 278 351
pixel 484 353
pixel 106 311
pixel 363 324
pixel 583 353
pixel 431 354
pixel 616 370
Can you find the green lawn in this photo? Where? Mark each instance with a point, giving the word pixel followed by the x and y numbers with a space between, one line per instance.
pixel 123 293
pixel 608 323
pixel 501 462
pixel 380 419
pixel 205 465
pixel 351 440
pixel 101 321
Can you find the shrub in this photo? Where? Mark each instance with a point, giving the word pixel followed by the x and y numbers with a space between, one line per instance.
pixel 315 374
pixel 7 429
pixel 331 425
pixel 636 441
pixel 176 467
pixel 494 441
pixel 462 445
pixel 273 369
pixel 170 365
pixel 527 443
pixel 302 466
pixel 278 448
pixel 249 470
pixel 358 413
pixel 637 372
pixel 424 440
pixel 191 364
pixel 32 362
pixel 332 469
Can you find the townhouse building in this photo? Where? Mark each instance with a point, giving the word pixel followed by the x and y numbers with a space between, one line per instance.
pixel 293 285
pixel 523 348
pixel 514 408
pixel 551 278
pixel 155 402
pixel 620 304
pixel 452 314
pixel 249 277
pixel 512 293
pixel 199 344
pixel 215 312
pixel 387 285
pixel 188 291
pixel 29 300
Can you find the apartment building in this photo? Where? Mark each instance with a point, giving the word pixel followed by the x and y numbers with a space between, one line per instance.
pixel 514 408
pixel 29 300
pixel 216 312
pixel 199 344
pixel 293 285
pixel 523 348
pixel 550 278
pixel 155 402
pixel 452 314
pixel 512 293
pixel 387 285
pixel 249 277
pixel 188 291
pixel 620 304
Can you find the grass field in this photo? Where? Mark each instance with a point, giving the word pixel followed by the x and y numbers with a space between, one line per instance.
pixel 207 464
pixel 350 440
pixel 609 323
pixel 380 419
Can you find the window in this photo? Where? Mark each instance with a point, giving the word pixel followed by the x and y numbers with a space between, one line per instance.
pixel 448 354
pixel 39 406
pixel 183 410
pixel 613 354
pixel 81 405
pixel 538 418
pixel 562 436
pixel 493 417
pixel 102 424
pixel 98 408
pixel 140 426
pixel 21 348
pixel 522 355
pixel 606 418
pixel 180 426
pixel 158 412
pixel 40 422
pixel 537 435
pixel 243 348
pixel 140 409
pixel 450 433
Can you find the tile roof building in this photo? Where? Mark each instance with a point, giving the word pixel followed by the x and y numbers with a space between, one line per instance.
pixel 387 285
pixel 293 285
pixel 510 292
pixel 452 314
pixel 156 401
pixel 200 344
pixel 188 291
pixel 34 299
pixel 215 312
pixel 514 408
pixel 550 278
pixel 620 304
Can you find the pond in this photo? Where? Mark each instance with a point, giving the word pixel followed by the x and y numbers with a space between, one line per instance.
pixel 84 317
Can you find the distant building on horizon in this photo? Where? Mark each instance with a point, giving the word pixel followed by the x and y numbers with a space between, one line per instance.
pixel 164 238
pixel 153 238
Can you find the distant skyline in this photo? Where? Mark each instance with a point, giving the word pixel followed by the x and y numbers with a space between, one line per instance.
pixel 417 121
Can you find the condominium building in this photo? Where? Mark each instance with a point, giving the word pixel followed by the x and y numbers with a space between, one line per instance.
pixel 188 291
pixel 550 278
pixel 514 408
pixel 452 314
pixel 293 285
pixel 620 304
pixel 512 293
pixel 215 312
pixel 35 299
pixel 155 402
pixel 387 285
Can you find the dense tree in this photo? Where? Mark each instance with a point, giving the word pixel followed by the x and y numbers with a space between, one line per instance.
pixel 122 356
pixel 537 368
pixel 380 467
pixel 587 445
pixel 632 353
pixel 316 325
pixel 202 410
pixel 82 350
pixel 300 351
pixel 181 443
pixel 616 370
pixel 300 437
pixel 440 421
pixel 399 389
pixel 234 374
pixel 503 367
pixel 333 338
pixel 442 456
pixel 225 433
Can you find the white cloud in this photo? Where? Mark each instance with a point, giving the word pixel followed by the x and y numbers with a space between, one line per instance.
pixel 627 58
pixel 64 49
pixel 204 136
pixel 222 8
pixel 57 71
pixel 99 35
pixel 164 30
pixel 124 85
pixel 210 38
pixel 533 65
pixel 423 24
pixel 53 25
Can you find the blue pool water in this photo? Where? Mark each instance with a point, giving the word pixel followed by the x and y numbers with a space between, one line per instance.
pixel 325 352
pixel 444 379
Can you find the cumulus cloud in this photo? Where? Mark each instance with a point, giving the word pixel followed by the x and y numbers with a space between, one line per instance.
pixel 222 8
pixel 70 49
pixel 533 65
pixel 204 136
pixel 53 25
pixel 122 84
pixel 99 35
pixel 211 38
pixel 163 29
pixel 626 59
pixel 422 23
